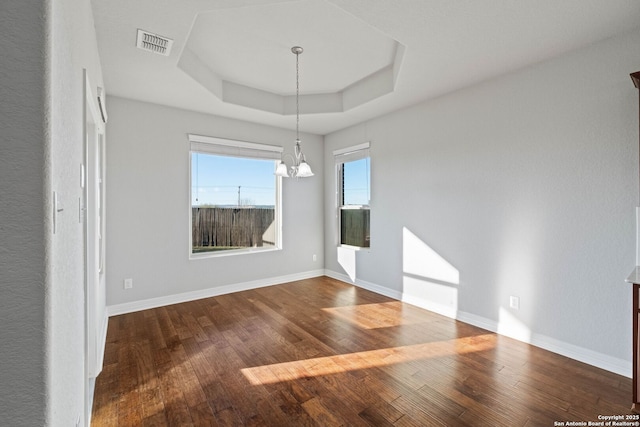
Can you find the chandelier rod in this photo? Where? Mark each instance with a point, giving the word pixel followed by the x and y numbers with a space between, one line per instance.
pixel 297 50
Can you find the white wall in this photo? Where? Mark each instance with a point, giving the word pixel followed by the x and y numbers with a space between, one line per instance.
pixel 526 186
pixel 45 46
pixel 148 208
pixel 73 48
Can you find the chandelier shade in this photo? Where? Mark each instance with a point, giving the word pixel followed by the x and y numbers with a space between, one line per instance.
pixel 281 169
pixel 304 170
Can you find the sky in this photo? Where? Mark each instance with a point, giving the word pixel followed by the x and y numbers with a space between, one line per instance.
pixel 357 186
pixel 215 181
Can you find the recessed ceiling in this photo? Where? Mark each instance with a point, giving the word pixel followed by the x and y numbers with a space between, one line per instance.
pixel 256 70
pixel 429 48
pixel 251 46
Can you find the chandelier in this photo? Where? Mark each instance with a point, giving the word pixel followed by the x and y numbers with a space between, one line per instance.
pixel 300 168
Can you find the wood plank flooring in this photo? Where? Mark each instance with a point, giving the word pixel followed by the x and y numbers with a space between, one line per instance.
pixel 319 352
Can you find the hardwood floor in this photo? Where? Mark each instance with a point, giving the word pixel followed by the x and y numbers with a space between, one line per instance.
pixel 321 352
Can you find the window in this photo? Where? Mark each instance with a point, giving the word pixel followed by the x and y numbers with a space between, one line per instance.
pixel 354 193
pixel 235 197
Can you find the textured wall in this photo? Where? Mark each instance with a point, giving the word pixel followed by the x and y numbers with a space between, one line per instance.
pixel 148 165
pixel 526 185
pixel 23 141
pixel 44 47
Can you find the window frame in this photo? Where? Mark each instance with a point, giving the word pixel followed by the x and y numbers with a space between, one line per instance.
pixel 342 156
pixel 240 149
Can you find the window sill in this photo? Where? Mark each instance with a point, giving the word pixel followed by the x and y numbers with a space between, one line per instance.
pixel 355 248
pixel 231 252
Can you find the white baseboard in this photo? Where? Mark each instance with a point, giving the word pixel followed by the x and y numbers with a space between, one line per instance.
pixel 130 307
pixel 364 285
pixel 400 296
pixel 581 354
pixel 102 343
pixel 600 360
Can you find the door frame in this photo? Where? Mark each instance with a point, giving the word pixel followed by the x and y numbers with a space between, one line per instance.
pixel 91 215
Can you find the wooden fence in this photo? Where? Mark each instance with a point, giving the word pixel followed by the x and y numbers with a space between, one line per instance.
pixel 354 227
pixel 228 228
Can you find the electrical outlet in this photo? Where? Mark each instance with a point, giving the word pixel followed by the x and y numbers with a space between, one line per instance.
pixel 514 302
pixel 128 283
pixel 315 258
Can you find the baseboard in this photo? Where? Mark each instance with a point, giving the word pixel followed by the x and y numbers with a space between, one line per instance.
pixel 102 344
pixel 91 381
pixel 409 299
pixel 364 285
pixel 581 354
pixel 590 357
pixel 130 307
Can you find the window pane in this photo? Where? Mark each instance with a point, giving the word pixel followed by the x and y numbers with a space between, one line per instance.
pixel 233 203
pixel 232 181
pixel 354 224
pixel 355 181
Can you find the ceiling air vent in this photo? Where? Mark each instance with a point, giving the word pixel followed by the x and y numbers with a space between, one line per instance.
pixel 154 43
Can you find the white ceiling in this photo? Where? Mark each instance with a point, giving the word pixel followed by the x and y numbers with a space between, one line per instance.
pixel 252 46
pixel 446 45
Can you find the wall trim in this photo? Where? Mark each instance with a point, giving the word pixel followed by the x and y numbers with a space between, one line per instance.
pixel 102 342
pixel 130 307
pixel 382 290
pixel 581 354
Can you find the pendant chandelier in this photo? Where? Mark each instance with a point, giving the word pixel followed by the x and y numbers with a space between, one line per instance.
pixel 300 167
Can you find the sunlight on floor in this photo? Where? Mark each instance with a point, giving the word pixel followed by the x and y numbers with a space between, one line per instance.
pixel 287 371
pixel 374 316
